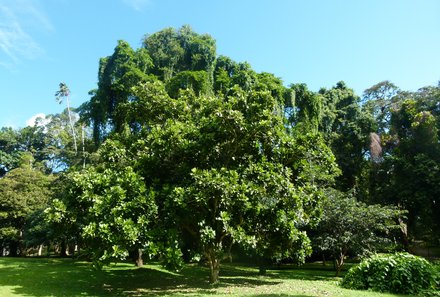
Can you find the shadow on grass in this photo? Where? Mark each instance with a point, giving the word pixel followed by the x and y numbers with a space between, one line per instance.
pixel 300 273
pixel 309 272
pixel 64 277
pixel 193 279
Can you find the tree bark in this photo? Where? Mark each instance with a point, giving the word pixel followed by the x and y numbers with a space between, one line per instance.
pixel 263 264
pixel 71 125
pixel 214 267
pixel 139 260
pixel 63 248
pixel 404 230
pixel 71 249
pixel 339 263
pixel 49 246
pixel 83 146
pixel 228 255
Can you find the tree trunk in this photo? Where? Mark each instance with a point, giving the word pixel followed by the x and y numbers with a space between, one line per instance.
pixel 229 251
pixel 40 250
pixel 323 260
pixel 404 230
pixel 63 248
pixel 139 260
pixel 214 267
pixel 262 270
pixel 71 249
pixel 215 271
pixel 263 264
pixel 83 146
pixel 339 263
pixel 49 246
pixel 13 249
pixel 71 125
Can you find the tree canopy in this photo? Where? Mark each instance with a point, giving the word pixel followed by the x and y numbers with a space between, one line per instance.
pixel 217 167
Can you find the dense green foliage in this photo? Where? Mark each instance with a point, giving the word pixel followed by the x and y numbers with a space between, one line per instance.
pixel 346 129
pixel 400 273
pixel 108 206
pixel 9 155
pixel 220 170
pixel 405 170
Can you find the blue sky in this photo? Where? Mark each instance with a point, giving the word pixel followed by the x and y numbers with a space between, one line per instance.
pixel 44 42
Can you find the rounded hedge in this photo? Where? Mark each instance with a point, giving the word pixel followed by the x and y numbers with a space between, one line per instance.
pixel 400 273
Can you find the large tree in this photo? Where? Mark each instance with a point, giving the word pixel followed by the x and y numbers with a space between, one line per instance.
pixel 221 169
pixel 379 101
pixel 206 142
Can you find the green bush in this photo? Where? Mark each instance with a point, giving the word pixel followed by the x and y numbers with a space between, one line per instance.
pixel 400 273
pixel 436 290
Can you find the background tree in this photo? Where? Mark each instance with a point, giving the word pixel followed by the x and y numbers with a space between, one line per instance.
pixel 379 101
pixel 350 227
pixel 346 129
pixel 32 140
pixel 49 141
pixel 307 108
pixel 25 190
pixel 60 145
pixel 9 152
pixel 408 171
pixel 412 179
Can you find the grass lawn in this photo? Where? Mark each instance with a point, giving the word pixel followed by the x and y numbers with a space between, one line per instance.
pixel 64 277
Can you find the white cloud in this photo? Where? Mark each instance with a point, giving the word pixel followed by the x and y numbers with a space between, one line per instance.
pixel 17 19
pixel 37 119
pixel 138 5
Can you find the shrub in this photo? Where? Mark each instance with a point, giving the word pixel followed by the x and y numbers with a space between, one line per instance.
pixel 400 273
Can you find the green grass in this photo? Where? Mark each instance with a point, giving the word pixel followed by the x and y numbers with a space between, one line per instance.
pixel 64 277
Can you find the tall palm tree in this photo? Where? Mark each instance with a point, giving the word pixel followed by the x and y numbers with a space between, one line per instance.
pixel 63 93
